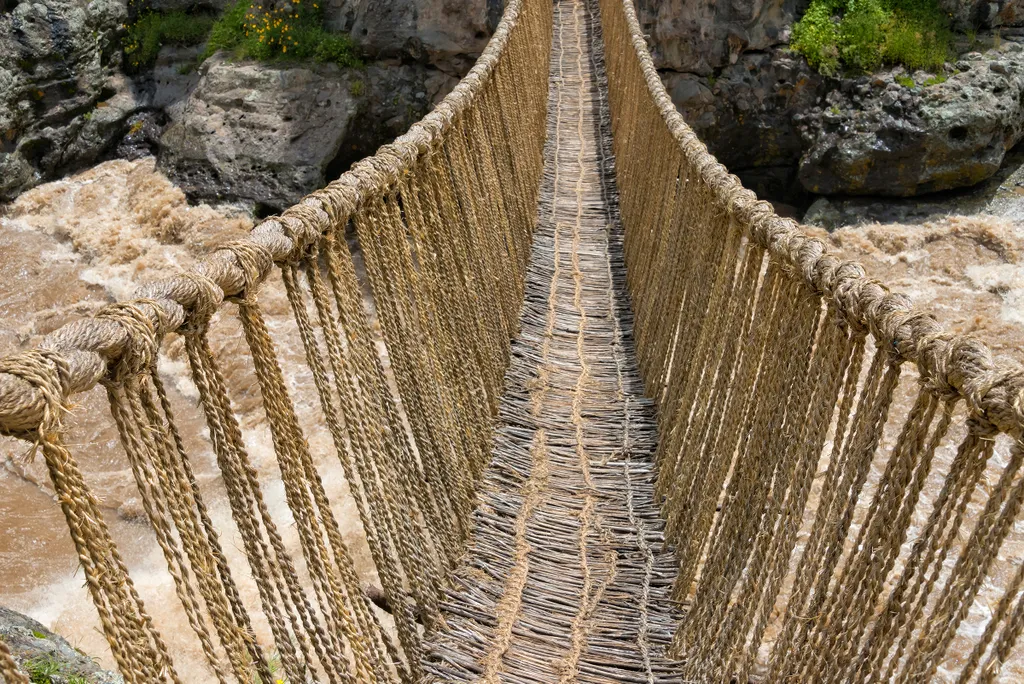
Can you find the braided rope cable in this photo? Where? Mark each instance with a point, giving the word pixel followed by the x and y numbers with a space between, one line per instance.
pixel 91 345
pixel 964 364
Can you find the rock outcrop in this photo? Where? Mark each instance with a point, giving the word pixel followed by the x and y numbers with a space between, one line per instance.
pixel 876 136
pixel 266 133
pixel 271 134
pixel 984 14
pixel 787 130
pixel 765 113
pixel 748 116
pixel 1000 197
pixel 63 100
pixel 783 128
pixel 699 37
pixel 446 34
pixel 38 650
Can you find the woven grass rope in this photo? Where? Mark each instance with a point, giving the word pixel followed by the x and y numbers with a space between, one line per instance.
pixel 773 361
pixel 630 425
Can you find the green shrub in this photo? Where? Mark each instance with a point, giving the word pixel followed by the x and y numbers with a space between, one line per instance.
pixel 228 32
pixel 918 41
pixel 861 35
pixel 816 35
pixel 249 31
pixel 336 48
pixel 153 30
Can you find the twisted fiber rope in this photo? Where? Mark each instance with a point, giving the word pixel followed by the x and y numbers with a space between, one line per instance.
pixel 282 597
pixel 136 646
pixel 89 346
pixel 442 179
pixel 961 363
pixel 731 477
pixel 173 501
pixel 445 172
pixel 8 670
pixel 292 622
pixel 566 575
pixel 381 648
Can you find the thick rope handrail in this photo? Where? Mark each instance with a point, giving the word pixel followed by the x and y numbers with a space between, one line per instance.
pixel 960 364
pixel 792 474
pixel 632 480
pixel 90 346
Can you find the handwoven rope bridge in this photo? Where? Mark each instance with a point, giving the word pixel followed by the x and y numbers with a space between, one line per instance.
pixel 623 431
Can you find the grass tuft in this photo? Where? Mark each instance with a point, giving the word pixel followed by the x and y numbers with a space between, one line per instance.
pixel 153 30
pixel 45 669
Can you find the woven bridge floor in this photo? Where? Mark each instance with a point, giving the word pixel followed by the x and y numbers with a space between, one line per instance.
pixel 567 576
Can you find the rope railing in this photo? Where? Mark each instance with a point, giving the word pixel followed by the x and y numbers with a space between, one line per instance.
pixel 443 216
pixel 753 339
pixel 836 506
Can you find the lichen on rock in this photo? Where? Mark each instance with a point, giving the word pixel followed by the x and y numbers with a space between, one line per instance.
pixel 48 657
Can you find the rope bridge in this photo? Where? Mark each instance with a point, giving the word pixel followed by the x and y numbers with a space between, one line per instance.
pixel 624 428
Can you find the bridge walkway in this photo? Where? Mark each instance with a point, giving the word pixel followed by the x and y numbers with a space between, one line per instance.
pixel 567 578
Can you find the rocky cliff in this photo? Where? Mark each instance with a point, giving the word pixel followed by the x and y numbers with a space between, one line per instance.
pixel 788 131
pixel 48 657
pixel 263 132
pixel 63 98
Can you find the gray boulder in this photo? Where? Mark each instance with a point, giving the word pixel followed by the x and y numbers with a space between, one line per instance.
pixel 63 100
pixel 1001 196
pixel 749 115
pixel 271 134
pixel 879 137
pixel 39 651
pixel 699 36
pixel 984 14
pixel 447 34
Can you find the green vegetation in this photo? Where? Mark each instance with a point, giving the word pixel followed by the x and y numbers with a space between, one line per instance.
pixel 152 30
pixel 43 669
pixel 905 81
pixel 274 664
pixel 934 80
pixel 862 35
pixel 246 29
pixel 249 31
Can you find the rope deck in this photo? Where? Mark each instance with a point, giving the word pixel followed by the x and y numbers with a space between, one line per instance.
pixel 628 426
pixel 568 575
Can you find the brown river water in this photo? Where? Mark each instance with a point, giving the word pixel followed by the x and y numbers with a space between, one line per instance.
pixel 71 246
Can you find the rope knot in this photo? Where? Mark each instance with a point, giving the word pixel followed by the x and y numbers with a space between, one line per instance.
pixel 297 228
pixel 142 345
pixel 932 360
pixel 204 300
pixel 982 427
pixel 254 260
pixel 48 372
pixel 893 319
